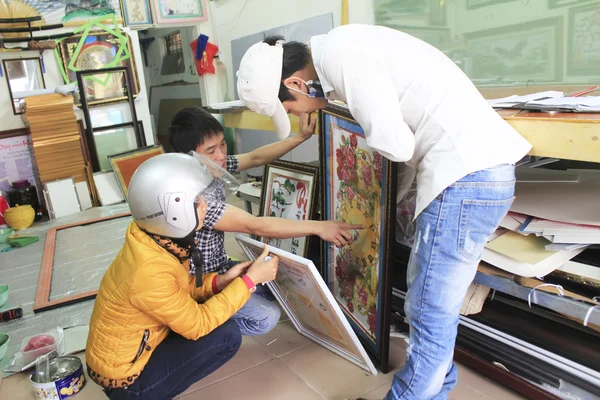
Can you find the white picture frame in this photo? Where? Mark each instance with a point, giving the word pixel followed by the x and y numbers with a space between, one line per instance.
pixel 305 297
pixel 61 198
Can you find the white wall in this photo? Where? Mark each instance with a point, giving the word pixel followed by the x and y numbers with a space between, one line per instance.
pixel 53 78
pixel 237 18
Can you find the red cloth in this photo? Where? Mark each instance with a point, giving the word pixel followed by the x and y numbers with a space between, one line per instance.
pixel 205 64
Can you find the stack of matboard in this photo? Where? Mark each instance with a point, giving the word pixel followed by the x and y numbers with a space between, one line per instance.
pixel 55 137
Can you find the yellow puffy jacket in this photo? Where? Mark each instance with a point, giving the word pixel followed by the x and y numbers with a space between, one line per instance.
pixel 145 294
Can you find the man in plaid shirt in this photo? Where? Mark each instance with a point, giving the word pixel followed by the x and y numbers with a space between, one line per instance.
pixel 194 129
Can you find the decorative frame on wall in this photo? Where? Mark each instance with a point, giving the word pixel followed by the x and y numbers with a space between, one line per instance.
pixel 565 3
pixel 313 310
pixel 100 50
pixel 359 187
pixel 136 14
pixel 186 11
pixel 494 48
pixel 294 198
pixel 584 40
pixel 42 296
pixel 474 4
pixel 125 164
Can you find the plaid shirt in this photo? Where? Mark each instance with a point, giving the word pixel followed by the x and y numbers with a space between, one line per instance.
pixel 212 242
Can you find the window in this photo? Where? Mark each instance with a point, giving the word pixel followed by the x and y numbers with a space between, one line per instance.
pixel 173 43
pixel 173 62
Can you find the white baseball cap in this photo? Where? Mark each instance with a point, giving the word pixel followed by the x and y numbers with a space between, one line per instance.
pixel 259 78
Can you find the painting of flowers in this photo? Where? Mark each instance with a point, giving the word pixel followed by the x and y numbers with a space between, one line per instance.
pixel 356 181
pixel 289 191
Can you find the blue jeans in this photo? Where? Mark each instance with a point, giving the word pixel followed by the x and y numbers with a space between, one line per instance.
pixel 260 314
pixel 450 236
pixel 177 363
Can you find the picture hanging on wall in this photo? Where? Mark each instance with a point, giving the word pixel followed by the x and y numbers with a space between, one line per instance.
pixel 55 12
pixel 359 187
pixel 566 3
pixel 473 4
pixel 180 11
pixel 526 52
pixel 289 191
pixel 311 307
pixel 98 50
pixel 584 40
pixel 136 13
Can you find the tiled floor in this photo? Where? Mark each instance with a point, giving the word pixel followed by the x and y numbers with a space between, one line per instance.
pixel 285 365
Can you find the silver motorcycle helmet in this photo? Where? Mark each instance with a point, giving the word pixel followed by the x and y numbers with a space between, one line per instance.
pixel 166 190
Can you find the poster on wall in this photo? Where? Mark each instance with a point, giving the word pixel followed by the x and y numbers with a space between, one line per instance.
pixel 358 186
pixel 584 40
pixel 58 11
pixel 312 309
pixel 16 161
pixel 179 11
pixel 527 52
pixel 289 191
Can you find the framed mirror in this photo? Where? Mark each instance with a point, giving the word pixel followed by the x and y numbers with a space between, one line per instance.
pixel 23 75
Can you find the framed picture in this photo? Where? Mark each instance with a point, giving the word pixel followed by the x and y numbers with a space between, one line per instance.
pixel 289 191
pixel 136 13
pixel 180 11
pixel 473 4
pixel 23 75
pixel 99 50
pixel 74 12
pixel 566 3
pixel 359 187
pixel 530 51
pixel 310 305
pixel 125 164
pixel 584 40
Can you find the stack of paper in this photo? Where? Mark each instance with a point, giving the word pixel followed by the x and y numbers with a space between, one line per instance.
pixel 569 104
pixel 561 232
pixel 518 101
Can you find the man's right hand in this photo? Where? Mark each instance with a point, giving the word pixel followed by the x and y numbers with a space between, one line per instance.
pixel 262 271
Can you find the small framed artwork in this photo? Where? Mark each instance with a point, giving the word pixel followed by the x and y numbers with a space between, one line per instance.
pixel 313 310
pixel 473 4
pixel 566 3
pixel 136 13
pixel 289 191
pixel 125 164
pixel 100 50
pixel 584 41
pixel 530 51
pixel 180 11
pixel 359 187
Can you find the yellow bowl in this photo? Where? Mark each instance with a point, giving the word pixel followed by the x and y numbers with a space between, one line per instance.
pixel 19 217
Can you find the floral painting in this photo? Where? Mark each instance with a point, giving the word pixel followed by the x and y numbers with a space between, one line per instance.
pixel 356 181
pixel 289 192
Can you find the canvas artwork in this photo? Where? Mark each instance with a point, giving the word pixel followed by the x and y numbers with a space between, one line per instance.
pixel 57 11
pixel 289 191
pixel 356 189
pixel 180 11
pixel 584 40
pixel 527 52
pixel 304 295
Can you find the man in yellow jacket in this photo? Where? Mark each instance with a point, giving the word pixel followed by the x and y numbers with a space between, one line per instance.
pixel 156 329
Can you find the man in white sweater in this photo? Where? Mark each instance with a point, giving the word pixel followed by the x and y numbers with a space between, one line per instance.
pixel 415 106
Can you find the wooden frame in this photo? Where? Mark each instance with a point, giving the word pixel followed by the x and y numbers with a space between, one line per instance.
pixel 125 164
pixel 582 41
pixel 489 39
pixel 42 295
pixel 311 307
pixel 358 275
pixel 10 91
pixel 304 187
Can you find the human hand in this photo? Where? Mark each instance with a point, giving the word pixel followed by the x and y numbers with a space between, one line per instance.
pixel 307 126
pixel 233 272
pixel 337 232
pixel 262 271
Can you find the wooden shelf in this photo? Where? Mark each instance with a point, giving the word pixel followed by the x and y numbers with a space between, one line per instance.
pixel 572 136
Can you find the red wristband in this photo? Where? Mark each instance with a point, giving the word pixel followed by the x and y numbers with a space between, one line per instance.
pixel 215 289
pixel 251 286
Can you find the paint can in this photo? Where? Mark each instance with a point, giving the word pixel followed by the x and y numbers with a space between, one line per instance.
pixel 64 378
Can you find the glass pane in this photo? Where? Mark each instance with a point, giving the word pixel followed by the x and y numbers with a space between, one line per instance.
pixel 113 141
pixel 103 88
pixel 23 75
pixel 507 46
pixel 88 250
pixel 110 115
